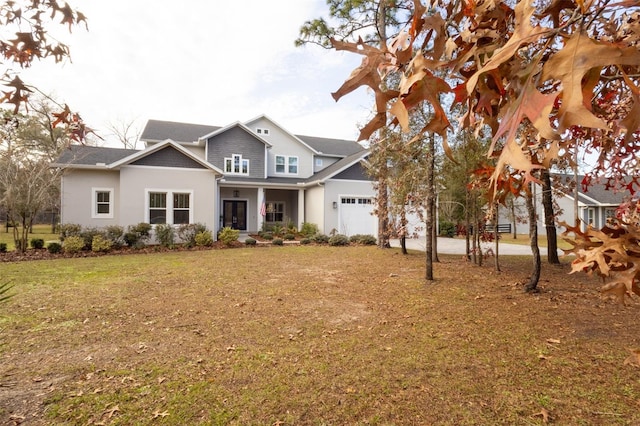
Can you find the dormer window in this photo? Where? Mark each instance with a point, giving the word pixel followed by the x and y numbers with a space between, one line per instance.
pixel 262 131
pixel 236 165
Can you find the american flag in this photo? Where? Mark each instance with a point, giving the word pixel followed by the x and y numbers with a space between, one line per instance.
pixel 263 209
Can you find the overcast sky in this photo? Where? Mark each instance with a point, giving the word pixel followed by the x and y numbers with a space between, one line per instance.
pixel 204 62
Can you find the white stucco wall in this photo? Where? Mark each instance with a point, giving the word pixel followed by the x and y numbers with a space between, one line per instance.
pixel 77 199
pixel 137 180
pixel 315 207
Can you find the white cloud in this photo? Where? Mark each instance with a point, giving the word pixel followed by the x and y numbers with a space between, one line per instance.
pixel 203 62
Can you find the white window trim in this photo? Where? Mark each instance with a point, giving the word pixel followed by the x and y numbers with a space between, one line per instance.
pixel 94 203
pixel 286 165
pixel 169 192
pixel 262 131
pixel 232 158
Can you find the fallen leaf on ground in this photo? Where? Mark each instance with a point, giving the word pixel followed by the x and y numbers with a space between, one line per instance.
pixel 634 358
pixel 544 413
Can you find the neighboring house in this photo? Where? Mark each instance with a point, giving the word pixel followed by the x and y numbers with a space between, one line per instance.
pixel 595 206
pixel 243 176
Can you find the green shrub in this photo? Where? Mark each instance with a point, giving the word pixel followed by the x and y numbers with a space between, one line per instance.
pixel 88 234
pixel 69 230
pixel 309 229
pixel 165 235
pixel 289 237
pixel 137 235
pixel 228 236
pixel 37 243
pixel 143 229
pixel 73 244
pixel 115 234
pixel 305 241
pixel 339 240
pixel 250 242
pixel 54 247
pixel 100 244
pixel 277 242
pixel 130 238
pixel 277 230
pixel 187 233
pixel 364 239
pixel 3 247
pixel 447 229
pixel 266 235
pixel 321 239
pixel 203 239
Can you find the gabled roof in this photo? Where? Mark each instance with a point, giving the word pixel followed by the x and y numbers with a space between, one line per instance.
pixel 157 147
pixel 596 193
pixel 332 147
pixel 89 157
pixel 237 124
pixel 337 167
pixel 157 131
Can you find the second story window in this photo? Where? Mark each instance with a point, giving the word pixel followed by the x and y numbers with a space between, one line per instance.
pixel 286 165
pixel 236 165
pixel 263 132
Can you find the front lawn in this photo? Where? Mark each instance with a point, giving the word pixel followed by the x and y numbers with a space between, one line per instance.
pixel 313 335
pixel 39 231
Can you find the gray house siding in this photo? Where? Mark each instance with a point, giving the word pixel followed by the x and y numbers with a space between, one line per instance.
pixel 237 141
pixel 355 172
pixel 168 157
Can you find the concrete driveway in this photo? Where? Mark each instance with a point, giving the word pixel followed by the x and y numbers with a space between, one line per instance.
pixel 458 246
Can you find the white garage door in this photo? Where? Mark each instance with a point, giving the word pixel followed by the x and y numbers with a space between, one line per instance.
pixel 356 216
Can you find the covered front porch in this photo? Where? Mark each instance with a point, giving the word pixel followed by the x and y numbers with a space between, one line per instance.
pixel 250 209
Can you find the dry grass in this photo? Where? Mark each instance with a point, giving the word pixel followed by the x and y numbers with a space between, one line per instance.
pixel 310 335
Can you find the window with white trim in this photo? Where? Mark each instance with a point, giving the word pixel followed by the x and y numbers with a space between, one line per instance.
pixel 181 208
pixel 318 162
pixel 169 207
pixel 262 131
pixel 287 164
pixel 236 165
pixel 102 201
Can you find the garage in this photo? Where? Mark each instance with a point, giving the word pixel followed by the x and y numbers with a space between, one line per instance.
pixel 356 216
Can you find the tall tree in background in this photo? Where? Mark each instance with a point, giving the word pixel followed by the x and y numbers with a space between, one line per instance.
pixel 28 185
pixel 557 66
pixel 375 22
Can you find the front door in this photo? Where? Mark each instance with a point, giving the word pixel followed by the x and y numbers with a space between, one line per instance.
pixel 234 214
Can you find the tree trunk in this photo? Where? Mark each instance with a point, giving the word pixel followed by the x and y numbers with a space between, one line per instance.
pixel 549 219
pixel 435 233
pixel 430 210
pixel 532 286
pixel 403 231
pixel 467 224
pixel 383 210
pixel 496 235
pixel 514 222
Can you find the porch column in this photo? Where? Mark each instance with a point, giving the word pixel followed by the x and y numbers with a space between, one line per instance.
pixel 300 208
pixel 261 201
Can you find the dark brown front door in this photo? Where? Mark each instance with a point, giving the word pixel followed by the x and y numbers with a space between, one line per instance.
pixel 234 214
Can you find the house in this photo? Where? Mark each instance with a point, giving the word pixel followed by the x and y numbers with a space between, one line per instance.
pixel 596 204
pixel 243 175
